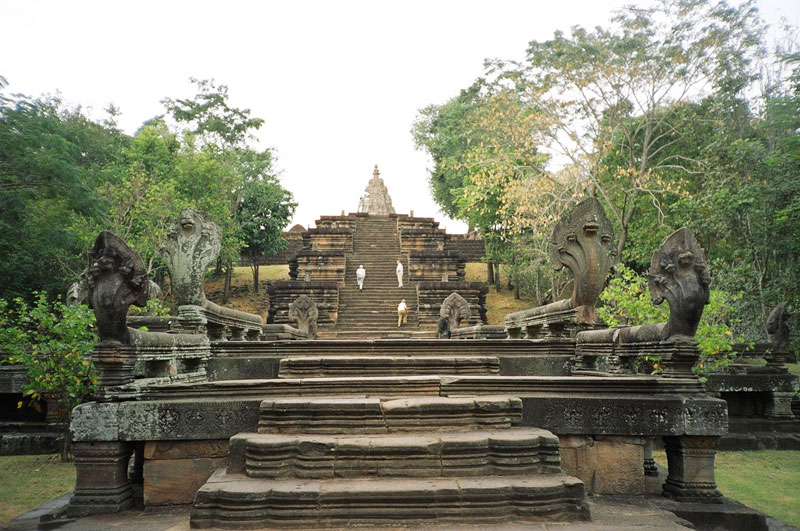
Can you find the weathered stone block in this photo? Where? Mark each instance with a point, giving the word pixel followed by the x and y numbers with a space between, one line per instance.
pixel 175 481
pixel 620 465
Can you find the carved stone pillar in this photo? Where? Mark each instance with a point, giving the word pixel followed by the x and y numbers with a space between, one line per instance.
pixel 650 466
pixel 102 484
pixel 691 469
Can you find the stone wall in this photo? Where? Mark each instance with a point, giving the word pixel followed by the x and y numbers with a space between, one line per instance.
pixel 471 249
pixel 326 266
pixel 436 266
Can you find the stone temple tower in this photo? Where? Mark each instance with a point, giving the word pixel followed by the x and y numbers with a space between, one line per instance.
pixel 376 200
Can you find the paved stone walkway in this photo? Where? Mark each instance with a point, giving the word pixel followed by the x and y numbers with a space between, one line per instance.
pixel 609 513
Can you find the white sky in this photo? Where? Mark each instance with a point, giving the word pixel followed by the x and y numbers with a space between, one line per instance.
pixel 338 83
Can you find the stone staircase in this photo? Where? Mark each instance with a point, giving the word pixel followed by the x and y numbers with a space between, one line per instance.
pixel 372 313
pixel 325 462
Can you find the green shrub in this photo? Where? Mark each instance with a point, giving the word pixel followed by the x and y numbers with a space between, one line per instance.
pixel 53 342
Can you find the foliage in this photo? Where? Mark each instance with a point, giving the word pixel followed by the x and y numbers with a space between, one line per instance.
pixel 51 161
pixel 627 302
pixel 53 341
pixel 265 209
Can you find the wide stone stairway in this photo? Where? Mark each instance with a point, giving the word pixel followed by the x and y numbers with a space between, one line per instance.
pixel 354 461
pixel 372 312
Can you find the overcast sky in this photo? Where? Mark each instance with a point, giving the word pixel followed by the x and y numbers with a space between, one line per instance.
pixel 337 83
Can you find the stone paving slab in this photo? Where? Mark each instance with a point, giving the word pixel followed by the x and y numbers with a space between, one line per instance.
pixel 609 513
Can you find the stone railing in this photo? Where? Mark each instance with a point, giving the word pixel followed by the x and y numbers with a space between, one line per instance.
pixel 219 322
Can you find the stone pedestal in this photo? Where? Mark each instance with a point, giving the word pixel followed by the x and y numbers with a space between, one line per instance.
pixel 779 405
pixel 691 469
pixel 102 484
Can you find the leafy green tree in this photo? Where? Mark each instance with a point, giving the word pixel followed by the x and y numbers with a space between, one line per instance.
pixel 265 210
pixel 51 161
pixel 612 92
pixel 53 342
pixel 220 161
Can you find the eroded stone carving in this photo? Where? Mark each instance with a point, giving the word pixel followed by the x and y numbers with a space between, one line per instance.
pixel 455 309
pixel 678 273
pixel 116 279
pixel 305 313
pixel 778 328
pixel 583 242
pixel 193 243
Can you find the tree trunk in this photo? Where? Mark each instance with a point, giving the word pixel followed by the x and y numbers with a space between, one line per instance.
pixel 255 276
pixel 490 273
pixel 226 291
pixel 516 291
pixel 497 275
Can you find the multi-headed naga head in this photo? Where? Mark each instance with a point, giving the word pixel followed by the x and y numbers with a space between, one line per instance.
pixel 679 274
pixel 583 242
pixel 116 279
pixel 193 243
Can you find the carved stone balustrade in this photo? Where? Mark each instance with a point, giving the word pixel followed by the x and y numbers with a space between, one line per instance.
pixel 759 388
pixel 480 331
pixel 583 242
pixel 193 243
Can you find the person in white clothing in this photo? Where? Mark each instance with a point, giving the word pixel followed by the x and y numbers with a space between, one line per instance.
pixel 399 274
pixel 360 274
pixel 402 313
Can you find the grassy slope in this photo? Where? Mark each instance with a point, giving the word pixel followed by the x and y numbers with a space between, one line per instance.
pixel 27 481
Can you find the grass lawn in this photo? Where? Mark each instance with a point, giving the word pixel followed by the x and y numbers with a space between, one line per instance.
pixel 766 480
pixel 27 481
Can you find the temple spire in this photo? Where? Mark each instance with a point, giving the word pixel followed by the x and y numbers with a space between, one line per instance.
pixel 376 200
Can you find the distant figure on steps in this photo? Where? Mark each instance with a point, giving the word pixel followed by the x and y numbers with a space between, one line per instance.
pixel 360 274
pixel 402 313
pixel 399 274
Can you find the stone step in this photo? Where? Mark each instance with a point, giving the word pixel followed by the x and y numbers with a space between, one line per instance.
pixel 375 415
pixel 513 452
pixel 236 501
pixel 309 367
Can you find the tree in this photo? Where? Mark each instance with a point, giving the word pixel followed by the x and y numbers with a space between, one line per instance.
pixel 265 210
pixel 51 161
pixel 220 161
pixel 612 92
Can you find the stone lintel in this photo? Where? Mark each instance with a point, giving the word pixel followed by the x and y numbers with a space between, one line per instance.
pixel 234 408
